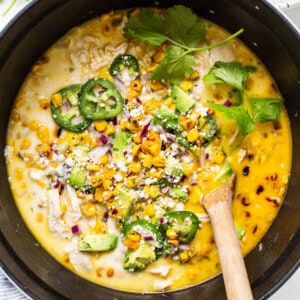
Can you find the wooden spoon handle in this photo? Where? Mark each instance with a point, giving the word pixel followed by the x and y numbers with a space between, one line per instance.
pixel 233 267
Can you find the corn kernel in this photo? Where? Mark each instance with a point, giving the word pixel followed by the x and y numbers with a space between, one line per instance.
pixel 131 244
pixel 92 167
pixel 193 135
pixel 100 125
pixel 187 169
pixel 186 85
pixel 154 191
pixel 147 161
pixel 149 210
pixel 39 217
pixel 194 75
pixel 104 159
pixel 109 130
pixel 152 105
pixel 19 173
pixel 123 124
pixel 25 144
pixel 135 149
pixel 175 243
pixel 56 100
pixel 151 68
pixel 158 173
pixel 107 184
pixel 44 103
pixel 171 234
pixel 132 181
pixel 15 116
pixel 158 57
pixel 20 103
pixel 159 161
pixel 135 167
pixel 219 157
pixel 285 179
pixel 134 236
pixel 184 256
pixel 155 85
pixel 110 272
pixel 104 73
pixel 88 209
pixel 34 125
pixel 137 138
pixel 135 88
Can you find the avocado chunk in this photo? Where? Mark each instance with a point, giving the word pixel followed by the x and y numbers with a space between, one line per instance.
pixel 97 242
pixel 121 141
pixel 124 202
pixel 180 193
pixel 138 259
pixel 77 176
pixel 183 101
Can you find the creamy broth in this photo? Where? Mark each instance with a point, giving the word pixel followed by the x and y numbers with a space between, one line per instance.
pixel 38 150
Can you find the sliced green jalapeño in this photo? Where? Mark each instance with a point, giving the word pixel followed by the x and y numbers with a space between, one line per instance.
pixel 66 114
pixel 100 100
pixel 185 224
pixel 124 61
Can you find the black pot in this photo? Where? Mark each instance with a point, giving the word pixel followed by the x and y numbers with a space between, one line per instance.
pixel 267 32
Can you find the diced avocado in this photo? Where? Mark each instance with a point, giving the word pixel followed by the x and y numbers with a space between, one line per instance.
pixel 121 141
pixel 77 176
pixel 168 119
pixel 138 259
pixel 180 193
pixel 124 202
pixel 209 130
pixel 183 101
pixel 97 242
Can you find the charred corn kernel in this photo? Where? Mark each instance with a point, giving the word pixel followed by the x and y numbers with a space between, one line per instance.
pixel 92 167
pixel 34 125
pixel 147 161
pixel 104 159
pixel 135 167
pixel 149 210
pixel 184 257
pixel 110 272
pixel 158 57
pixel 44 103
pixel 135 149
pixel 134 236
pixel 193 135
pixel 135 88
pixel 104 73
pixel 132 181
pixel 171 234
pixel 109 130
pixel 56 100
pixel 25 144
pixel 154 191
pixel 155 85
pixel 100 125
pixel 15 116
pixel 187 85
pixel 88 209
pixel 107 184
pixel 19 173
pixel 159 161
pixel 99 195
pixel 194 75
pixel 131 244
pixel 187 169
pixel 285 179
pixel 39 217
pixel 175 243
pixel 96 180
pixel 137 138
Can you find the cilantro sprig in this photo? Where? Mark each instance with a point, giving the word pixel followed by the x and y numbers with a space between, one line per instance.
pixel 182 29
pixel 235 75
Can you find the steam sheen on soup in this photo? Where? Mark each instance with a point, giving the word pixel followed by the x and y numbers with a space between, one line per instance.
pixel 109 152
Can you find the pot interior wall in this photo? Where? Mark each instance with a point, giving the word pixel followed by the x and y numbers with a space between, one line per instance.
pixel 266 32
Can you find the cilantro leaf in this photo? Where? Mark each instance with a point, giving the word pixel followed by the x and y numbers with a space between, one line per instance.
pixel 183 26
pixel 237 113
pixel 147 27
pixel 232 73
pixel 175 67
pixel 265 109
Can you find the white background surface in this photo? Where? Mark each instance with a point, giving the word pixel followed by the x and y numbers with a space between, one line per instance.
pixel 291 289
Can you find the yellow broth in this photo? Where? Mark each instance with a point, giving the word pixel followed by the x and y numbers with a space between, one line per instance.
pixel 261 162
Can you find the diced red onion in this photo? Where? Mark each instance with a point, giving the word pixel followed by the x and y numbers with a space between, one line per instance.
pixel 103 139
pixel 56 184
pixel 145 129
pixel 115 121
pixel 206 156
pixel 194 179
pixel 148 238
pixel 75 229
pixel 227 103
pixel 171 138
pixel 162 220
pixel 138 100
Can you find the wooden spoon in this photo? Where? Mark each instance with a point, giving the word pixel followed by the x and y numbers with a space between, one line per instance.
pixel 218 206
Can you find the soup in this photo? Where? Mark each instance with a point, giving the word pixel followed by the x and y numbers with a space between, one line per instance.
pixel 123 126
